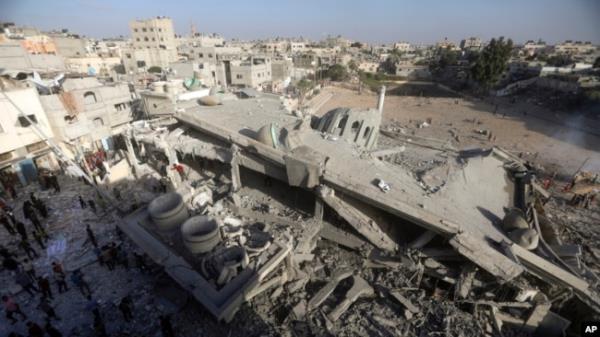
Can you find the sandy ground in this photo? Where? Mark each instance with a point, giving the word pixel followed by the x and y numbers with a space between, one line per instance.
pixel 558 147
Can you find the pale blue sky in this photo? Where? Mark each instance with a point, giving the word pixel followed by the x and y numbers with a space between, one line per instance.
pixel 366 20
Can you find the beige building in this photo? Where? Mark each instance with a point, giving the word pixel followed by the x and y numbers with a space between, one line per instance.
pixel 251 73
pixel 153 43
pixel 575 48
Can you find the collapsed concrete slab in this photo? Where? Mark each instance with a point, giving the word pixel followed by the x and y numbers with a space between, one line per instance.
pixel 463 210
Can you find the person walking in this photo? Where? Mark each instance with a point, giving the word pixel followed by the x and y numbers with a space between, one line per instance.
pixel 29 213
pixel 39 205
pixel 44 286
pixel 11 308
pixel 82 203
pixel 78 280
pixel 24 244
pixel 39 238
pixel 91 236
pixel 57 267
pixel 29 269
pixel 25 282
pixel 20 227
pixel 6 223
pixel 61 283
pixel 125 307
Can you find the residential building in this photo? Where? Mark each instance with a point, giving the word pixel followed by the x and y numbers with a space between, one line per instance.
pixel 87 113
pixel 532 47
pixel 92 65
pixel 368 66
pixel 153 42
pixel 23 150
pixel 70 45
pixel 251 72
pixel 14 57
pixel 471 44
pixel 575 48
pixel 404 47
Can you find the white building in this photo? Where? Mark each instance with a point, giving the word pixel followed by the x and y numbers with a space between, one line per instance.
pixel 23 150
pixel 403 47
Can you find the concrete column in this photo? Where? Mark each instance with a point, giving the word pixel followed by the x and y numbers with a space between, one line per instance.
pixel 236 180
pixel 130 153
pixel 319 208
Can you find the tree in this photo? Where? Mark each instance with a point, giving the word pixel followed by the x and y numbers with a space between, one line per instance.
pixel 352 66
pixel 559 60
pixel 491 62
pixel 303 86
pixel 389 65
pixel 337 72
pixel 356 45
pixel 442 59
pixel 155 69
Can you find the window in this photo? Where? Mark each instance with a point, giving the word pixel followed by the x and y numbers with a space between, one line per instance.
pixel 355 127
pixel 25 123
pixel 120 106
pixel 213 74
pixel 135 30
pixel 200 55
pixel 137 39
pixel 238 76
pixel 128 56
pixel 143 29
pixel 89 98
pixel 146 39
pixel 151 29
pixel 342 124
pixel 160 29
pixel 153 39
pixel 201 66
pixel 366 134
pixel 162 39
pixel 98 121
pixel 209 55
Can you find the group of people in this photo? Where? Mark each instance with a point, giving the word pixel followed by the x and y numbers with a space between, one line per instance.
pixel 46 287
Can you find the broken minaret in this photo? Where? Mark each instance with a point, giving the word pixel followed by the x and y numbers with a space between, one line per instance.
pixel 381 99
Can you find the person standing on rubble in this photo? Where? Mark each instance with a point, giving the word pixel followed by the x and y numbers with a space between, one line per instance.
pixel 91 236
pixel 39 205
pixel 9 228
pixel 24 244
pixel 53 180
pixel 29 213
pixel 78 280
pixel 21 229
pixel 61 283
pixel 57 267
pixel 28 268
pixel 11 308
pixel 39 238
pixel 82 203
pixel 44 286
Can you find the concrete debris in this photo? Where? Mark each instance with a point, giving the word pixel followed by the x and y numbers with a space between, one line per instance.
pixel 283 225
pixel 360 288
